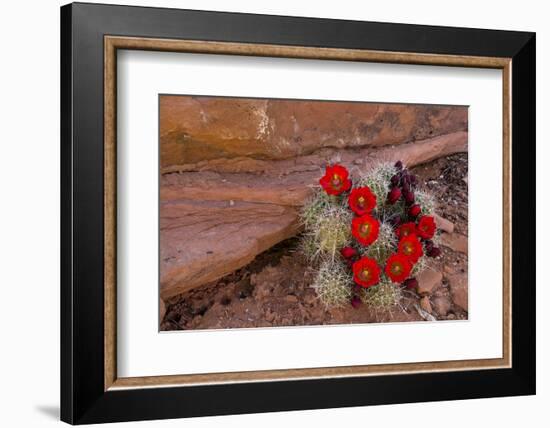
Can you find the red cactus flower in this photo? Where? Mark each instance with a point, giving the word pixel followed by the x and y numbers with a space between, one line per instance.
pixel 433 251
pixel 405 229
pixel 335 180
pixel 362 201
pixel 426 227
pixel 365 229
pixel 398 267
pixel 414 210
pixel 366 272
pixel 411 247
pixel 394 195
pixel 411 283
pixel 348 252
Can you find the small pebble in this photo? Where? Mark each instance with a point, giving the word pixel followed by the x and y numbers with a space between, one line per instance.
pixel 425 304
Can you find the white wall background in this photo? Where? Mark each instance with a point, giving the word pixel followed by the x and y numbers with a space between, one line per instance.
pixel 29 213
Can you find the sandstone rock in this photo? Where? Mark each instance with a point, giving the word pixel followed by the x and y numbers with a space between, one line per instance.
pixel 455 242
pixel 162 309
pixel 287 182
pixel 425 315
pixel 425 304
pixel 270 316
pixel 428 280
pixel 411 153
pixel 448 269
pixel 202 241
pixel 441 305
pixel 444 224
pixel 232 187
pixel 291 299
pixel 459 289
pixel 195 128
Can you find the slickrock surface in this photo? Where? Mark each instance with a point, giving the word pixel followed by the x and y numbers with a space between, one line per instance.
pixel 195 129
pixel 205 240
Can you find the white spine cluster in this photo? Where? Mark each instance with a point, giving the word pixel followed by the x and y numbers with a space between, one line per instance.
pixel 333 283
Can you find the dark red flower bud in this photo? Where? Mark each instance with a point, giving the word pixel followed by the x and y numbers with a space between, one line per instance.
pixel 429 245
pixel 408 195
pixel 396 221
pixel 399 165
pixel 413 180
pixel 348 252
pixel 355 302
pixel 395 180
pixel 405 180
pixel 394 195
pixel 434 252
pixel 411 283
pixel 414 210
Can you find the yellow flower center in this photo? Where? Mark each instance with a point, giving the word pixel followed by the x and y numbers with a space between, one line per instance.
pixel 336 180
pixel 361 201
pixel 365 274
pixel 365 229
pixel 407 248
pixel 396 268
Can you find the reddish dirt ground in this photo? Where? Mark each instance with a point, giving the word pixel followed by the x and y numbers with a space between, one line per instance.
pixel 274 290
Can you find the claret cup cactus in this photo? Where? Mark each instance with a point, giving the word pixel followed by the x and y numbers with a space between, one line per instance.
pixel 368 237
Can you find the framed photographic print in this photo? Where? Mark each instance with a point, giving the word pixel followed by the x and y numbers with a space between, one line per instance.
pixel 265 213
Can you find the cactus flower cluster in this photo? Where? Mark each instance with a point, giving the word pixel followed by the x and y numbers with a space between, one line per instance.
pixel 390 230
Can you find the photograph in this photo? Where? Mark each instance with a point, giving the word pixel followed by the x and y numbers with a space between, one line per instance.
pixel 291 212
pixel 240 214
